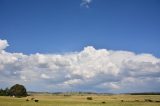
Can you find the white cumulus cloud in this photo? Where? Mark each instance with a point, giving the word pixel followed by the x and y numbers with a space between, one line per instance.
pixel 86 3
pixel 3 44
pixel 91 69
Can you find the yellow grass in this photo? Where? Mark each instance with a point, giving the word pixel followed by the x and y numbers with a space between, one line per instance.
pixel 79 100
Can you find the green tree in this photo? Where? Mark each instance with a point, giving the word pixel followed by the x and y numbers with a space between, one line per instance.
pixel 18 91
pixel 7 92
pixel 4 92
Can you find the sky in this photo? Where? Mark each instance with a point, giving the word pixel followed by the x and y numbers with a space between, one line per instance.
pixel 80 45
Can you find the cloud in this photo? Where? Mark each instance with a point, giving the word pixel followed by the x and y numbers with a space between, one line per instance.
pixel 91 69
pixel 86 3
pixel 3 44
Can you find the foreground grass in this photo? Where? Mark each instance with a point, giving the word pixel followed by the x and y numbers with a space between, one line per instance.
pixel 113 100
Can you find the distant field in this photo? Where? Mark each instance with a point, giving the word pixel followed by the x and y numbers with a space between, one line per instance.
pixel 60 100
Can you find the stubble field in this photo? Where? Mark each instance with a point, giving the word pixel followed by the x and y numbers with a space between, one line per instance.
pixel 80 100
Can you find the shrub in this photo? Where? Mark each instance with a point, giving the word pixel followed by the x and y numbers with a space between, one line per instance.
pixel 89 98
pixel 122 100
pixel 36 100
pixel 103 102
pixel 148 100
pixel 32 98
pixel 136 100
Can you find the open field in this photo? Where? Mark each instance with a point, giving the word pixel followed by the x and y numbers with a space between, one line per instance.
pixel 60 100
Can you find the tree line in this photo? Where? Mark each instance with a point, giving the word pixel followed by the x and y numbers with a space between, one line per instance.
pixel 146 93
pixel 4 92
pixel 16 90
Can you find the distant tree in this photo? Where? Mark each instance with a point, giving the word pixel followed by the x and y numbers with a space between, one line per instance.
pixel 4 92
pixel 7 92
pixel 18 91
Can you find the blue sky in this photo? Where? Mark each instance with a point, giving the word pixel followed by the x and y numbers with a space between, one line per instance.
pixel 80 45
pixel 54 26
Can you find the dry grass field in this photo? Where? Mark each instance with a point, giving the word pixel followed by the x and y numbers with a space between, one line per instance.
pixel 80 100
